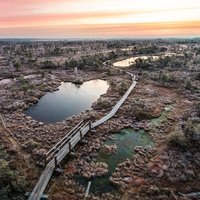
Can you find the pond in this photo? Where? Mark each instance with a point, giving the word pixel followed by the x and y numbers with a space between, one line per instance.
pixel 128 62
pixel 69 100
pixel 126 141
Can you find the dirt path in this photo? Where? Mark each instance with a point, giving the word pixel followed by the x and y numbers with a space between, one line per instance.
pixel 9 136
pixel 14 145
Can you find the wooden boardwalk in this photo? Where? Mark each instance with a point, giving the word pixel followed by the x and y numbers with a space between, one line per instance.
pixel 65 146
pixel 115 108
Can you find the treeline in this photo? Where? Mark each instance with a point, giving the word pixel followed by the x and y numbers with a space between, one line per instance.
pixel 150 49
pixel 95 62
pixel 172 62
pixel 48 64
pixel 86 62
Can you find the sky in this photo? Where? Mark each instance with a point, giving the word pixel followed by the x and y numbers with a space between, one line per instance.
pixel 99 18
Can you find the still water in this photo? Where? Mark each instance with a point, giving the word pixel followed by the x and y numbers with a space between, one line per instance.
pixel 128 62
pixel 69 100
pixel 126 141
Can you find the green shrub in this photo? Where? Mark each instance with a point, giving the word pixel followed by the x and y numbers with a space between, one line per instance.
pixel 77 82
pixel 17 66
pixel 30 145
pixel 188 85
pixel 11 183
pixel 123 88
pixel 177 139
pixel 191 131
pixel 112 84
pixel 25 84
pixel 102 104
pixel 48 65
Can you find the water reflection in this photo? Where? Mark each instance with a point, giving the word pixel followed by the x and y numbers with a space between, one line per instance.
pixel 126 141
pixel 130 61
pixel 69 100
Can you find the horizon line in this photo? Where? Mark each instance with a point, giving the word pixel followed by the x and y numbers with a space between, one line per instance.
pixel 142 37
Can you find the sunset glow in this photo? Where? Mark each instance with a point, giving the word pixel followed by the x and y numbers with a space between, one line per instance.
pixel 99 18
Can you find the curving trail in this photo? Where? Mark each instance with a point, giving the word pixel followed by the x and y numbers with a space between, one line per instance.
pixel 116 107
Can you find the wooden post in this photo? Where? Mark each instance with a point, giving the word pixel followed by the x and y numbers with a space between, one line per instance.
pixel 58 167
pixel 81 134
pixel 70 146
pixel 55 161
pixel 90 125
pixel 45 159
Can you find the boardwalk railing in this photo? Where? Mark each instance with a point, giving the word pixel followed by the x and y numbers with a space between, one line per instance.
pixel 57 147
pixel 65 146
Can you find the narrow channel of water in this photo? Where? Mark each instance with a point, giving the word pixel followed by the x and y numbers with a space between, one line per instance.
pixel 69 100
pixel 126 141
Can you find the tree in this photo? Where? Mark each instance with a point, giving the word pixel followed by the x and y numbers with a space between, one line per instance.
pixel 122 89
pixel 66 64
pixel 48 64
pixel 73 63
pixel 25 84
pixel 188 85
pixel 17 66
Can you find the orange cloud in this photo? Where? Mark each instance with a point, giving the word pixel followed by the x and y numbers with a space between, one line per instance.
pixel 45 19
pixel 99 18
pixel 111 30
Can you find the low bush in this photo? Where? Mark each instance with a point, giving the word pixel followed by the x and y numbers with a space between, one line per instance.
pixel 177 139
pixel 12 185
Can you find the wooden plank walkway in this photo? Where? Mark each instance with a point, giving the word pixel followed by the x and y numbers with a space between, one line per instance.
pixel 63 147
pixel 115 108
pixel 39 188
pixel 52 152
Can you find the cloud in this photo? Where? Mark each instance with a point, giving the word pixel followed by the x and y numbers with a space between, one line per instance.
pixel 46 19
pixel 111 30
pixel 67 18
